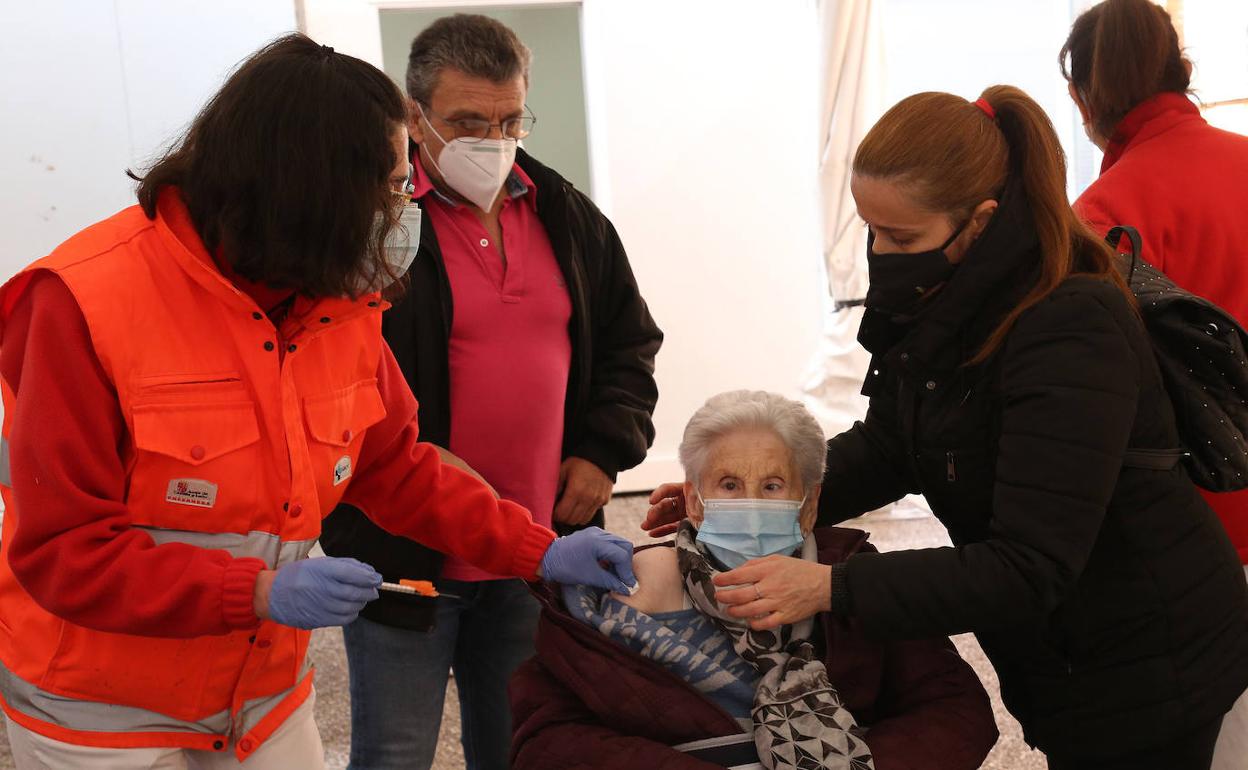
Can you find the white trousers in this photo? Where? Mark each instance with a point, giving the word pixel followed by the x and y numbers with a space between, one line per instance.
pixel 296 744
pixel 1232 750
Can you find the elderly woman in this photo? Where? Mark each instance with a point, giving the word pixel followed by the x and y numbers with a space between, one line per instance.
pixel 664 678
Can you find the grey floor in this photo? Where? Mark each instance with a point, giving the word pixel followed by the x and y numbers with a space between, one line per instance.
pixel 623 515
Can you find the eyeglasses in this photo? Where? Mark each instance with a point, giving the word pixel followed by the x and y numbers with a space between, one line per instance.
pixel 402 195
pixel 476 129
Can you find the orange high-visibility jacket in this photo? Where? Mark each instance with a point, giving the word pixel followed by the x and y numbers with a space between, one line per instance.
pixel 229 446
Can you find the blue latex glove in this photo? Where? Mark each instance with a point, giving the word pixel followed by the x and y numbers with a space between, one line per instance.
pixel 326 591
pixel 578 560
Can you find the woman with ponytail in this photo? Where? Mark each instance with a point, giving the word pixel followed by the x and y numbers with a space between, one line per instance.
pixel 1010 374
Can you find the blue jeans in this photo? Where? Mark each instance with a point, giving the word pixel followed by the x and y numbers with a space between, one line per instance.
pixel 398 677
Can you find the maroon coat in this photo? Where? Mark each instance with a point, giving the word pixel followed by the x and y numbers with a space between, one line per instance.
pixel 585 701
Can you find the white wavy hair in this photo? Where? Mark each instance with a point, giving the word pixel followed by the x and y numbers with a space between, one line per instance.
pixel 737 409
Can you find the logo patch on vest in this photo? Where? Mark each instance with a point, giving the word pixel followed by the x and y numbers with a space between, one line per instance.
pixel 194 492
pixel 342 470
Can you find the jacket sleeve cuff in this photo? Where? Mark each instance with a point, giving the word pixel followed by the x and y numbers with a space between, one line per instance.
pixel 842 604
pixel 530 550
pixel 238 593
pixel 599 456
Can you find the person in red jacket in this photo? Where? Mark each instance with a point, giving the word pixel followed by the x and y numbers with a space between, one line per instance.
pixel 664 678
pixel 1167 172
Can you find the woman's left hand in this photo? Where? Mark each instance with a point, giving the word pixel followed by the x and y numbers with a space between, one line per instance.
pixel 776 591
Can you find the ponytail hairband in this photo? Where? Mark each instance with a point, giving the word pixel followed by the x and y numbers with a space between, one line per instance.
pixel 987 109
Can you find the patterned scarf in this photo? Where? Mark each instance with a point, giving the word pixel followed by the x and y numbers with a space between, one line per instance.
pixel 800 722
pixel 697 650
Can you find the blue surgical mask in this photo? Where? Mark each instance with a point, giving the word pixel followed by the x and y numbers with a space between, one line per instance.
pixel 737 530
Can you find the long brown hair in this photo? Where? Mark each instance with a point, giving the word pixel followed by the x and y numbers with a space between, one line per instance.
pixel 286 168
pixel 951 156
pixel 1120 53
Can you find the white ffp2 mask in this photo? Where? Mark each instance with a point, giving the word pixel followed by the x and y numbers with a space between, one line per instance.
pixel 476 169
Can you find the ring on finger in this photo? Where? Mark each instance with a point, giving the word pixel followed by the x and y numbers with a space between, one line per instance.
pixel 757 594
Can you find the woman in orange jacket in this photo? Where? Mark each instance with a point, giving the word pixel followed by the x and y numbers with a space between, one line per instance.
pixel 189 386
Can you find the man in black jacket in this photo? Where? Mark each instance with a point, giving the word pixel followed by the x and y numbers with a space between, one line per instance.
pixel 526 341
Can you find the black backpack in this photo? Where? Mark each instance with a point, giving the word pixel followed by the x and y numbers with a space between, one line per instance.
pixel 1200 350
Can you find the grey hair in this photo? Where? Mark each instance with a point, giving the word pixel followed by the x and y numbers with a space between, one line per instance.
pixel 736 409
pixel 475 45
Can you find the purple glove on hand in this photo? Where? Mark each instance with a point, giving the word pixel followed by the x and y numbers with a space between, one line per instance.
pixel 313 593
pixel 591 557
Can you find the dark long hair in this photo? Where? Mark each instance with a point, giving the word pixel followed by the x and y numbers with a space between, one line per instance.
pixel 286 168
pixel 1120 53
pixel 951 156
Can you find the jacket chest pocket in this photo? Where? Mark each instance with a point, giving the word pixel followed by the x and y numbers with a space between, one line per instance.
pixel 958 484
pixel 337 422
pixel 197 463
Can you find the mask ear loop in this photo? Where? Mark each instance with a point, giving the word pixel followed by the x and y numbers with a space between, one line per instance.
pixel 440 139
pixel 954 237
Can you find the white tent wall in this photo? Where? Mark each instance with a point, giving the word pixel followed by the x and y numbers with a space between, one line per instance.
pixel 851 100
pixel 90 89
pixel 710 178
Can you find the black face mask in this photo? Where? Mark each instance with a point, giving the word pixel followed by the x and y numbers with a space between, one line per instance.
pixel 898 282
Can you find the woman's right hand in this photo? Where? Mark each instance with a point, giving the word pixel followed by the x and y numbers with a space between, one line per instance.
pixel 667 509
pixel 315 593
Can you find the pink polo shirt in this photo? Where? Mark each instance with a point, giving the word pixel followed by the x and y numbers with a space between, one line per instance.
pixel 509 351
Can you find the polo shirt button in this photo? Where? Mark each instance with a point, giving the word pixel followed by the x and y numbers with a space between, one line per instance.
pixel 346 435
pixel 931 385
pixel 269 346
pixel 296 511
pixel 218 745
pixel 197 452
pixel 245 745
pixel 291 349
pixel 257 316
pixel 325 319
pixel 484 242
pixel 905 356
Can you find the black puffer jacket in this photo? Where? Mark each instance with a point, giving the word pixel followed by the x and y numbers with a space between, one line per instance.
pixel 1109 599
pixel 611 389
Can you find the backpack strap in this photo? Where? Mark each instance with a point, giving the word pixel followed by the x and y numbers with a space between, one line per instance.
pixel 1137 244
pixel 1141 459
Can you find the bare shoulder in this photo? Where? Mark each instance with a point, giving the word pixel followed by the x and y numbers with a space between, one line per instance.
pixel 659 587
